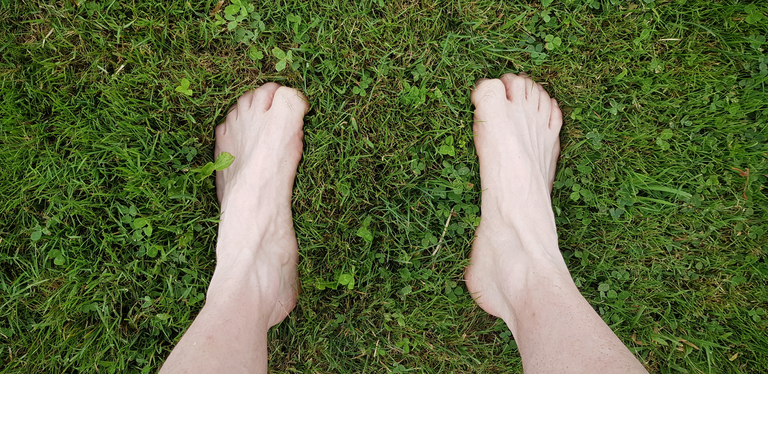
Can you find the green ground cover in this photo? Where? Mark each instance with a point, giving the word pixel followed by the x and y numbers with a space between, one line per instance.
pixel 107 238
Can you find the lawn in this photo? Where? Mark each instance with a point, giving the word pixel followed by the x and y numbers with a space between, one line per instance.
pixel 107 235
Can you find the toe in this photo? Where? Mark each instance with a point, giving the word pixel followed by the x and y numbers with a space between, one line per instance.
pixel 221 130
pixel 290 100
pixel 489 94
pixel 245 100
pixel 555 117
pixel 555 154
pixel 545 104
pixel 233 112
pixel 219 186
pixel 263 96
pixel 533 91
pixel 516 86
pixel 553 163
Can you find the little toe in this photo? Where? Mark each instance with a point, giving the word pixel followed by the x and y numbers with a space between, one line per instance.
pixel 264 95
pixel 219 185
pixel 553 163
pixel 555 117
pixel 290 100
pixel 221 130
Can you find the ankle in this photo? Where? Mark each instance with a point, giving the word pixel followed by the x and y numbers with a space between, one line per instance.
pixel 245 279
pixel 530 236
pixel 531 278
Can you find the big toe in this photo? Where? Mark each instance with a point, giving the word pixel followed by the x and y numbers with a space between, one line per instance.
pixel 489 95
pixel 290 102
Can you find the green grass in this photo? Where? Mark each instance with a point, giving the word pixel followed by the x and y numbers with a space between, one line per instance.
pixel 663 101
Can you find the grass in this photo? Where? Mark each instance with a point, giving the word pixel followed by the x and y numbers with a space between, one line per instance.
pixel 107 239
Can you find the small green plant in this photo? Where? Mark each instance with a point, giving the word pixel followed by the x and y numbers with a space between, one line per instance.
pixel 405 345
pixel 419 71
pixel 597 139
pixel 754 14
pixel 398 369
pixel 245 25
pixel 645 34
pixel 58 256
pixel 235 14
pixel 364 232
pixel 344 279
pixel 452 291
pixel 417 166
pixel 447 149
pixel 283 58
pixel 756 41
pixel 256 55
pixel 663 139
pixel 413 95
pixel 552 42
pixel 347 280
pixel 37 233
pixel 144 225
pixel 535 49
pixel 362 86
pixel 222 162
pixel 92 8
pixel 299 28
pixel 616 107
pixel 183 87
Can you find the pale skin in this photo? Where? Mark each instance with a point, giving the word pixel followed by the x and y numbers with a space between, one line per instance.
pixel 516 269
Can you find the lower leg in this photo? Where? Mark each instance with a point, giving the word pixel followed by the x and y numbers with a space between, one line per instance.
pixel 255 284
pixel 230 333
pixel 558 331
pixel 516 269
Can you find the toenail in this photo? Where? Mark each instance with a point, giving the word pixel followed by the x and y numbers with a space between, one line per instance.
pixel 480 81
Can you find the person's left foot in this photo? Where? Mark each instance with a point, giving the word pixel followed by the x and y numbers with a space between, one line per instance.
pixel 257 243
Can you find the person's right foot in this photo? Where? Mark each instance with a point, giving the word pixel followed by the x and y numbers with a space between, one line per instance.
pixel 516 136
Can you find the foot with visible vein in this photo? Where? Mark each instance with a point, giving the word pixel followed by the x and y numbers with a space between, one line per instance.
pixel 256 238
pixel 255 284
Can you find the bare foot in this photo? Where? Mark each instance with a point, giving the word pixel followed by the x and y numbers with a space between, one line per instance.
pixel 256 238
pixel 516 270
pixel 516 135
